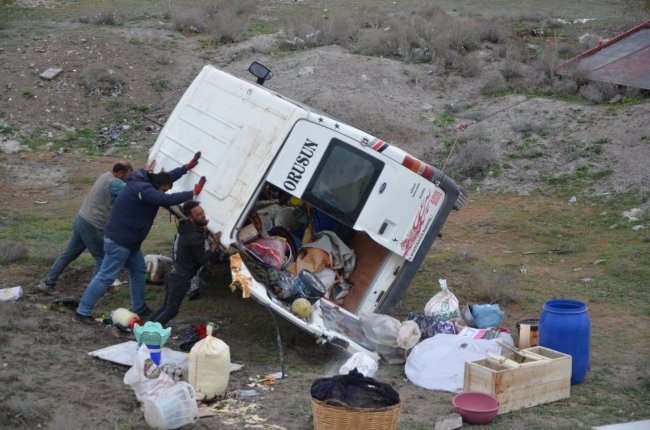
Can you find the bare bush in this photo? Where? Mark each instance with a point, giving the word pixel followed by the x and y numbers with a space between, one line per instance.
pixel 162 57
pixel 384 42
pixel 511 70
pixel 566 87
pixel 494 287
pixel 576 72
pixel 494 86
pixel 472 159
pixel 469 66
pixel 369 17
pixel 25 410
pixel 339 30
pixel 192 20
pixel 547 62
pixel 527 127
pixel 99 79
pixel 227 21
pixel 598 91
pixel 47 252
pixel 106 16
pixel 12 251
pixel 493 30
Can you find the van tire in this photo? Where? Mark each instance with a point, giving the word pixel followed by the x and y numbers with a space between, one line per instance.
pixel 460 201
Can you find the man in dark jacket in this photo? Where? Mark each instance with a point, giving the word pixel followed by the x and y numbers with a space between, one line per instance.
pixel 128 225
pixel 190 256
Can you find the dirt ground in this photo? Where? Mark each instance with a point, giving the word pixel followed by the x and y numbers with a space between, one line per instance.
pixel 45 371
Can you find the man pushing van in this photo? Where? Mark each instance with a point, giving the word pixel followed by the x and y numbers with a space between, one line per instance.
pixel 191 255
pixel 128 225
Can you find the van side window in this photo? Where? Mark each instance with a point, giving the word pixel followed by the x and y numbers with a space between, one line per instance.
pixel 342 181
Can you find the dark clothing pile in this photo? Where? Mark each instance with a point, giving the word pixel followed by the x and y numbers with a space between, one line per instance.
pixel 355 390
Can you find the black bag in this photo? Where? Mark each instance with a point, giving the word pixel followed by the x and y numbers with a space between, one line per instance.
pixel 355 390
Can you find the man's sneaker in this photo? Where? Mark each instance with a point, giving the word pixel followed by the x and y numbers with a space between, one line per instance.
pixel 145 314
pixel 45 288
pixel 193 295
pixel 88 320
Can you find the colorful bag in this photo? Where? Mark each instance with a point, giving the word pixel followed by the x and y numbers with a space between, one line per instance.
pixel 430 326
pixel 271 251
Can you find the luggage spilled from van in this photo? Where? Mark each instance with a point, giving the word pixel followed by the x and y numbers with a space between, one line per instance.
pixel 315 209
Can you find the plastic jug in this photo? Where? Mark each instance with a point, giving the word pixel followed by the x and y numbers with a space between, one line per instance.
pixel 172 408
pixel 125 317
pixel 209 366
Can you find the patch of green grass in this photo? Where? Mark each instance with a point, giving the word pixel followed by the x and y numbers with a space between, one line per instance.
pixel 444 121
pixel 6 129
pixel 134 41
pixel 28 94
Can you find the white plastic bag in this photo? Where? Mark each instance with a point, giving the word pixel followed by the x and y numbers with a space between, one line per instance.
pixel 209 366
pixel 409 335
pixel 381 331
pixel 443 305
pixel 362 362
pixel 145 377
pixel 11 294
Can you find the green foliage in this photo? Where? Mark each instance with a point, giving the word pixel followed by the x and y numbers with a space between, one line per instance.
pixel 134 41
pixel 444 121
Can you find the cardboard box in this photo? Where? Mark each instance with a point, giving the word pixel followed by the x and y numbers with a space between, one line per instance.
pixel 533 383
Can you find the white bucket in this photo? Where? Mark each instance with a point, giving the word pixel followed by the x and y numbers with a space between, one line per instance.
pixel 284 217
pixel 172 408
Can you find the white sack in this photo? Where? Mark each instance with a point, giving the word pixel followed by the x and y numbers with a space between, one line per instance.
pixel 145 377
pixel 438 363
pixel 362 362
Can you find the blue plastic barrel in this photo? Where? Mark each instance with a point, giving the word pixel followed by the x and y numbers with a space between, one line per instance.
pixel 564 326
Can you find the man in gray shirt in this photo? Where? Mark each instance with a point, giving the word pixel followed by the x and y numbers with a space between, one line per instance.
pixel 88 226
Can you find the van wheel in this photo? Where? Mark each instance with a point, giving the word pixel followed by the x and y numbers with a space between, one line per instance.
pixel 460 201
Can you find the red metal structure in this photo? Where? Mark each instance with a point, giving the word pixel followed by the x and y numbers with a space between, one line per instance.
pixel 623 59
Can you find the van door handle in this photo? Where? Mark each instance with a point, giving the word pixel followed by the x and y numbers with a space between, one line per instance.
pixel 383 228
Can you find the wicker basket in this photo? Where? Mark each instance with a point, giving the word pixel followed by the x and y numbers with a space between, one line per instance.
pixel 335 415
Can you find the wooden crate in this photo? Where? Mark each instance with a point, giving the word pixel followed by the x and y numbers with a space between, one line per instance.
pixel 526 386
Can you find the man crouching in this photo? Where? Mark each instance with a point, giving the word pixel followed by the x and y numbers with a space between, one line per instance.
pixel 190 256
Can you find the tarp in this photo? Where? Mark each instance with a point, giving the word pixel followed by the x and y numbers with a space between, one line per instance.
pixel 622 60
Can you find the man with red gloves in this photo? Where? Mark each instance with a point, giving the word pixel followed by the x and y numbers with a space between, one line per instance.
pixel 133 214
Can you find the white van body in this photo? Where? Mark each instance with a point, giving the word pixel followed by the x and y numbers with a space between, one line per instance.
pixel 251 137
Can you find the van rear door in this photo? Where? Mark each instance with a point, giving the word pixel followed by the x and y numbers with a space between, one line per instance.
pixel 358 186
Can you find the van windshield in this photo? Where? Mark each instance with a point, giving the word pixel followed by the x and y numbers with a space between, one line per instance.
pixel 342 182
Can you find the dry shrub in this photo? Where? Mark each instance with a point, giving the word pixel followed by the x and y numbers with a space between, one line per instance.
pixel 369 17
pixel 469 66
pixel 495 86
pixel 547 62
pixel 339 30
pixel 472 159
pixel 227 21
pixel 494 30
pixel 99 78
pixel 527 127
pixel 494 287
pixel 511 70
pixel 22 412
pixel 566 87
pixel 47 252
pixel 598 91
pixel 576 72
pixel 390 41
pixel 12 251
pixel 162 57
pixel 106 16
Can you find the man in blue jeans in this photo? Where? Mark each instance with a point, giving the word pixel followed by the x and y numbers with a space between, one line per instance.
pixel 128 225
pixel 88 226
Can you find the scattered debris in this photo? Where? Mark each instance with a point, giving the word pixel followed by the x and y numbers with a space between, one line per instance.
pixel 41 203
pixel 573 199
pixel 50 74
pixel 449 422
pixel 586 280
pixel 523 271
pixel 598 262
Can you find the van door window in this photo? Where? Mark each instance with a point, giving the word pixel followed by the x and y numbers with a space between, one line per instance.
pixel 342 182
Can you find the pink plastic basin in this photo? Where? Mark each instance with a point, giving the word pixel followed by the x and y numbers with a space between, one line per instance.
pixel 475 407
